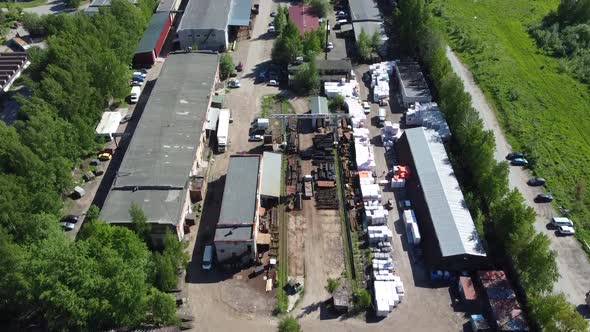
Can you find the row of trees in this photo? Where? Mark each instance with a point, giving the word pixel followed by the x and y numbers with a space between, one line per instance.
pixel 500 213
pixel 289 45
pixel 107 278
pixel 368 46
pixel 565 33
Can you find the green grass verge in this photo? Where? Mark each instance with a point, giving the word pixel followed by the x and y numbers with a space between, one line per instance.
pixel 543 110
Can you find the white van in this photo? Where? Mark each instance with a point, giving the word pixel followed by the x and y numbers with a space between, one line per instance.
pixel 134 95
pixel 561 221
pixel 207 257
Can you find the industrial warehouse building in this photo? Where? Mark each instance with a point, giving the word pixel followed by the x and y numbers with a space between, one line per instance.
pixel 206 24
pixel 153 39
pixel 450 239
pixel 412 84
pixel 365 16
pixel 166 148
pixel 237 226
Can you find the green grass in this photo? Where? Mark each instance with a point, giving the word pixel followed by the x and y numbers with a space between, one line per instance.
pixel 26 4
pixel 275 104
pixel 541 108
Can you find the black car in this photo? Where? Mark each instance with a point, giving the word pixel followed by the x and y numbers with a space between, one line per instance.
pixel 70 219
pixel 514 155
pixel 125 119
pixel 536 182
pixel 544 198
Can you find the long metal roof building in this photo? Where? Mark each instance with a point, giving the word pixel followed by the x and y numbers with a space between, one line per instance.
pixel 364 10
pixel 240 195
pixel 450 217
pixel 205 14
pixel 164 144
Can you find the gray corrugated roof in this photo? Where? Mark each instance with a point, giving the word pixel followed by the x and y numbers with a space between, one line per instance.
pixel 152 32
pixel 205 14
pixel 334 65
pixel 319 105
pixel 235 233
pixel 364 10
pixel 163 147
pixel 413 82
pixel 370 28
pixel 270 181
pixel 239 14
pixel 240 193
pixel 166 5
pixel 159 206
pixel 452 222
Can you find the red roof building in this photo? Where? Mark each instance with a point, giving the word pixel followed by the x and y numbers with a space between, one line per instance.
pixel 304 17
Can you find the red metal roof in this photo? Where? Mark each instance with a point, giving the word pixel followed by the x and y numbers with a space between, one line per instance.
pixel 304 17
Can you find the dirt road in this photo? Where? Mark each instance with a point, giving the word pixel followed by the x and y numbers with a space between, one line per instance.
pixel 572 262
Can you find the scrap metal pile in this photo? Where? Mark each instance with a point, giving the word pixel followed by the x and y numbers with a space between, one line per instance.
pixel 324 175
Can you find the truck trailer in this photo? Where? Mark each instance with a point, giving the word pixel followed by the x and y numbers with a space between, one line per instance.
pixel 222 130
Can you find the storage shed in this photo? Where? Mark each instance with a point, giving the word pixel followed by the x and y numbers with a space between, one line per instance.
pixel 151 43
pixel 319 105
pixel 412 83
pixel 450 239
pixel 108 125
pixel 270 181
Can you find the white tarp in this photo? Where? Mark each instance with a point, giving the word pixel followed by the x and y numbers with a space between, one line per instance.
pixel 109 123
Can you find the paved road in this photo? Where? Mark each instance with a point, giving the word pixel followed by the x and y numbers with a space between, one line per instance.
pixel 572 262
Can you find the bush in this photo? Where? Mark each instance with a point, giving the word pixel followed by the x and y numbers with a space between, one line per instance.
pixel 332 285
pixel 337 103
pixel 362 300
pixel 321 7
pixel 289 324
pixel 307 79
pixel 226 66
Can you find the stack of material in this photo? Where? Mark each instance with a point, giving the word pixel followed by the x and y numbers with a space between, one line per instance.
pixel 347 89
pixel 412 231
pixel 428 115
pixel 364 152
pixel 379 234
pixel 380 73
pixel 371 194
pixel 323 144
pixel 366 177
pixel 377 216
pixel 386 298
pixel 382 264
pixel 293 175
pixel 389 134
pixel 357 114
pixel 400 174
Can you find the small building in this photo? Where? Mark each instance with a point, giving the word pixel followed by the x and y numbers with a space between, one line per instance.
pixel 11 67
pixel 206 24
pixel 153 39
pixel 329 70
pixel 270 180
pixel 20 44
pixel 319 105
pixel 237 227
pixel 108 125
pixel 502 306
pixel 304 17
pixel 449 237
pixel 95 6
pixel 412 83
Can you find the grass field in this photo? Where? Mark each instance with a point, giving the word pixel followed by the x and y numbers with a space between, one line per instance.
pixel 542 109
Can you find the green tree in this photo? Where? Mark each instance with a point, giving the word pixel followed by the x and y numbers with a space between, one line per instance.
pixel 162 308
pixel 92 213
pixel 280 20
pixel 140 222
pixel 332 285
pixel 555 314
pixel 286 49
pixel 307 78
pixel 337 103
pixel 320 7
pixel 362 299
pixel 311 43
pixel 226 66
pixel 34 23
pixel 289 324
pixel 363 44
pixel 73 3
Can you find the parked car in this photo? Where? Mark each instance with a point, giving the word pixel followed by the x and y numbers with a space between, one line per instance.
pixel 514 155
pixel 240 67
pixel 255 138
pixel 330 46
pixel 105 156
pixel 235 83
pixel 136 83
pixel 72 219
pixel 341 13
pixel 298 60
pixel 271 24
pixel 366 107
pixel 561 221
pixel 126 119
pixel 273 83
pixel 544 198
pixel 536 182
pixel 142 73
pixel 273 14
pixel 566 230
pixel 67 226
pixel 271 29
pixel 519 162
pixel 138 78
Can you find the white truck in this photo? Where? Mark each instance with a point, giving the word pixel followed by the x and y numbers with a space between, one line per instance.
pixel 222 130
pixel 382 114
pixel 307 186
